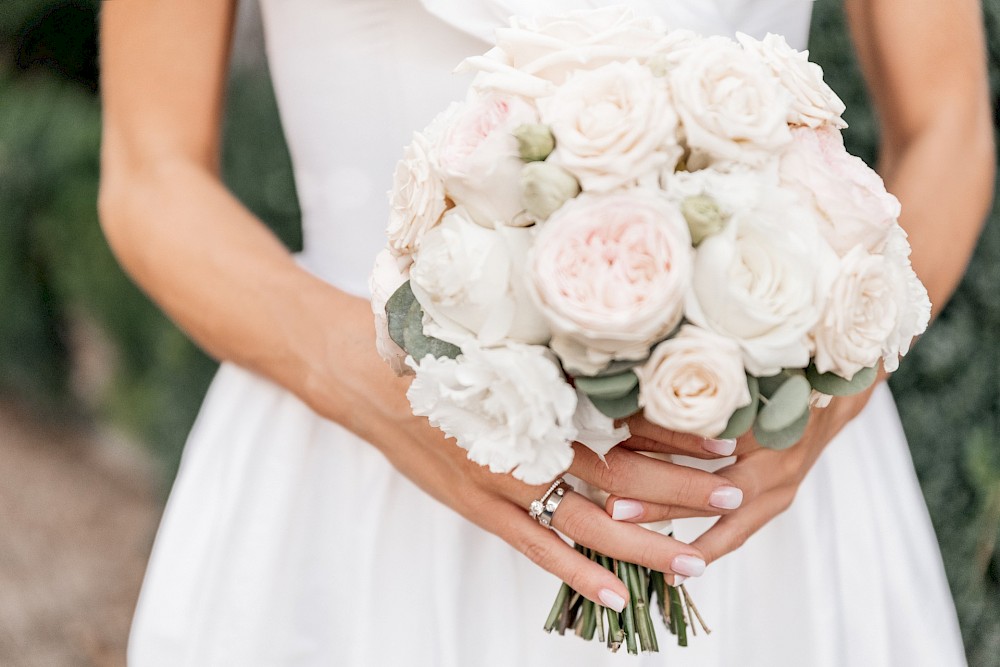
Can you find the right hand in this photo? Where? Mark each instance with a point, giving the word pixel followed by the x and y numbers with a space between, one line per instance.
pixel 379 412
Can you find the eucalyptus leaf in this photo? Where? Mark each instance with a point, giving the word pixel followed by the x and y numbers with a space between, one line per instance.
pixel 786 405
pixel 619 366
pixel 418 345
pixel 770 384
pixel 742 420
pixel 608 386
pixel 396 309
pixel 834 385
pixel 784 438
pixel 618 408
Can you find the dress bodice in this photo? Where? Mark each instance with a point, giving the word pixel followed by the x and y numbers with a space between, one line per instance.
pixel 355 78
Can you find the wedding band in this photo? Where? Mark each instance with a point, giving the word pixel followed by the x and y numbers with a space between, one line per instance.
pixel 542 509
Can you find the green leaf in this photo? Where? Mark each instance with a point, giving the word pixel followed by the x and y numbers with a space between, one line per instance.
pixel 770 384
pixel 784 438
pixel 834 385
pixel 618 408
pixel 742 420
pixel 608 386
pixel 397 309
pixel 418 345
pixel 786 405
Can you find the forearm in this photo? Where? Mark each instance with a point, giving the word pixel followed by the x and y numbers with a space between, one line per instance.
pixel 230 284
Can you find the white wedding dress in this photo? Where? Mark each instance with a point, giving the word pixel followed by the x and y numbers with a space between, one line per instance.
pixel 288 541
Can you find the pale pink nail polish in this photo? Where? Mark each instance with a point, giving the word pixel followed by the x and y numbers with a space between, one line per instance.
pixel 688 566
pixel 679 579
pixel 726 498
pixel 611 600
pixel 623 510
pixel 720 447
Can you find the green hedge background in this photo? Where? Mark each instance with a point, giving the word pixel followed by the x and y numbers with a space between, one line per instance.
pixel 58 281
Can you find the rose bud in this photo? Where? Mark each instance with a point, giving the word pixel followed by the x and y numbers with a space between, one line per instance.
pixel 534 142
pixel 545 188
pixel 704 217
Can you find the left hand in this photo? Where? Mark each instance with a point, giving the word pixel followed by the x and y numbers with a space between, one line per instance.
pixel 769 479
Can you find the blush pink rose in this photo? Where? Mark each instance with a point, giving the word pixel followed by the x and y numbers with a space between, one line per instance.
pixel 850 197
pixel 609 274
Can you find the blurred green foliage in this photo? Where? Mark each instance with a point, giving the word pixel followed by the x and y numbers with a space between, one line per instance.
pixel 55 270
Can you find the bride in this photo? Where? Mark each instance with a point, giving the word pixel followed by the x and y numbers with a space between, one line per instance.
pixel 315 521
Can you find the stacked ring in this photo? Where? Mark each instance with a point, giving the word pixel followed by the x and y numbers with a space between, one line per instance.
pixel 542 509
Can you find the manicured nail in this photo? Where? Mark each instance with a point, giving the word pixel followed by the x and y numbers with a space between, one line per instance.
pixel 679 579
pixel 726 498
pixel 623 510
pixel 720 447
pixel 688 566
pixel 611 600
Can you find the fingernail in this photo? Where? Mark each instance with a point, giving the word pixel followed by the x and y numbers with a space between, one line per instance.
pixel 623 510
pixel 720 447
pixel 611 600
pixel 726 498
pixel 688 566
pixel 679 579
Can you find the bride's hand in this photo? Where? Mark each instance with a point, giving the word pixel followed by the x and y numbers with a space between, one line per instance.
pixel 769 479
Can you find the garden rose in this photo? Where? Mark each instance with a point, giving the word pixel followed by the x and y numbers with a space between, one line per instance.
pixel 762 281
pixel 417 199
pixel 861 312
pixel 478 157
pixel 509 407
pixel 609 274
pixel 614 126
pixel 913 302
pixel 693 382
pixel 470 281
pixel 850 197
pixel 813 102
pixel 732 107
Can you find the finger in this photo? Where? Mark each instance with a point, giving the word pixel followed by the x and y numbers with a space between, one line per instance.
pixel 732 531
pixel 587 524
pixel 647 436
pixel 638 511
pixel 763 471
pixel 627 474
pixel 547 550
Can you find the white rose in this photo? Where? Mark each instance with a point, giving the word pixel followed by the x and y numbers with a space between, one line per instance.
pixel 850 197
pixel 813 102
pixel 386 278
pixel 479 160
pixel 609 274
pixel 509 407
pixel 913 302
pixel 732 107
pixel 470 280
pixel 417 199
pixel 533 56
pixel 761 281
pixel 693 382
pixel 674 48
pixel 613 126
pixel 861 312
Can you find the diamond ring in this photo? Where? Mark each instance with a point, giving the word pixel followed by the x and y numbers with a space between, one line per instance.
pixel 542 509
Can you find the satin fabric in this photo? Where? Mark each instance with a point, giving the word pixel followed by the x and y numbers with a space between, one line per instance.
pixel 288 541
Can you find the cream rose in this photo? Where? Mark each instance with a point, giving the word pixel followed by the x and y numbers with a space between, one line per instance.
pixel 478 158
pixel 813 102
pixel 850 197
pixel 609 274
pixel 533 56
pixel 762 281
pixel 693 382
pixel 470 282
pixel 509 407
pixel 732 107
pixel 861 312
pixel 386 278
pixel 417 199
pixel 914 304
pixel 614 126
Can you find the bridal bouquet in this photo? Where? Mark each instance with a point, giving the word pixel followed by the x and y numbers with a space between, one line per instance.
pixel 624 218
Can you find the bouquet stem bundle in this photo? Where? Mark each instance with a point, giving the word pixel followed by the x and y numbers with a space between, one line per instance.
pixel 633 627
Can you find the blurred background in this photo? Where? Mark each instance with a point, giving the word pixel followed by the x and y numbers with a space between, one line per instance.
pixel 98 389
